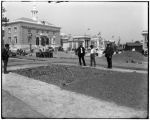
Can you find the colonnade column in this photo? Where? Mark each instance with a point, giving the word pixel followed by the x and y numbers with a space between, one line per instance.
pixel 84 43
pixel 72 44
pixel 40 41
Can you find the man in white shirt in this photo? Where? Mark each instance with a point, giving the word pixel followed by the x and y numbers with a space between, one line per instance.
pixel 92 55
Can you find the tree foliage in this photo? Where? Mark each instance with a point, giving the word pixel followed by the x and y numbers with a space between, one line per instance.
pixel 4 19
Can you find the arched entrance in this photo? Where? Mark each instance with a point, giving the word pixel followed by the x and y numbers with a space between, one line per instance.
pixel 47 41
pixel 37 41
pixel 44 40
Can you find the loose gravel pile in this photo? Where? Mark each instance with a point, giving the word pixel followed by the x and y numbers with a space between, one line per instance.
pixel 131 55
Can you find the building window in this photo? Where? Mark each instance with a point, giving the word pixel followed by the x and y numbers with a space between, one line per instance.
pixel 53 40
pixel 42 41
pixel 47 41
pixel 9 30
pixel 15 39
pixel 50 40
pixel 15 29
pixel 37 41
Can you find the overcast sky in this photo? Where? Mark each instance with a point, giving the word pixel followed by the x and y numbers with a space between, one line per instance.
pixel 124 19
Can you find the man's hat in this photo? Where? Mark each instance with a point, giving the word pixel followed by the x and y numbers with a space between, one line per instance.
pixel 91 46
pixel 6 45
pixel 108 43
pixel 80 44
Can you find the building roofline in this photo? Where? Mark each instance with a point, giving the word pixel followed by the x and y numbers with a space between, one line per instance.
pixel 23 21
pixel 81 36
pixel 133 44
pixel 144 32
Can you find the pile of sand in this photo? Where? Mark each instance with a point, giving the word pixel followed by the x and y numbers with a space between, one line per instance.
pixel 130 56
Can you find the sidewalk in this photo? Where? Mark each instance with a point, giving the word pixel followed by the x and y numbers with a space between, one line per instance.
pixel 113 69
pixel 100 62
pixel 53 102
pixel 70 64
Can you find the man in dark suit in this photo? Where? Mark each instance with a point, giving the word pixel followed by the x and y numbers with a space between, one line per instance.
pixel 81 54
pixel 5 56
pixel 108 54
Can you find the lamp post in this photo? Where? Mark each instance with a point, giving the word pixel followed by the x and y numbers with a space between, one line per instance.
pixel 88 40
pixel 29 40
pixel 54 40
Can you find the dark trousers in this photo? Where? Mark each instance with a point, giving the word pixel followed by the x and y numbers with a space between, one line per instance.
pixel 109 61
pixel 82 57
pixel 5 65
pixel 92 60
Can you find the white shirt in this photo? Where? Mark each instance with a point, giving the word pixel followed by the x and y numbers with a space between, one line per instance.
pixel 92 51
pixel 81 50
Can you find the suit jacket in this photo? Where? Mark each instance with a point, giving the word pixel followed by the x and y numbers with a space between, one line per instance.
pixel 109 52
pixel 79 51
pixel 5 54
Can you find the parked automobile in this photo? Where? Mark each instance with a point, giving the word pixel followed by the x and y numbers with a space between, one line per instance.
pixel 12 54
pixel 45 53
pixel 146 52
pixel 13 51
pixel 51 49
pixel 60 49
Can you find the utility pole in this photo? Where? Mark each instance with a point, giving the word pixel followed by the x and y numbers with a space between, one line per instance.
pixel 119 41
pixel 30 41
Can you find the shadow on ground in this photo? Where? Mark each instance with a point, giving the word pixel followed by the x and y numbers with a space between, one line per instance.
pixel 13 108
pixel 125 89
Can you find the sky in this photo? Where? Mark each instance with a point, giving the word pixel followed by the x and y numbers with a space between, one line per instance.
pixel 126 20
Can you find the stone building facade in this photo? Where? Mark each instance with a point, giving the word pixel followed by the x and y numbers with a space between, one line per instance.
pixel 75 42
pixel 145 40
pixel 98 42
pixel 26 32
pixel 64 41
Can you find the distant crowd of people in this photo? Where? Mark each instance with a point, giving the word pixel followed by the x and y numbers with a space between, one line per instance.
pixel 80 52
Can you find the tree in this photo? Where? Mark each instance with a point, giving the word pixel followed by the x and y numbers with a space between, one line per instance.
pixel 4 24
pixel 4 19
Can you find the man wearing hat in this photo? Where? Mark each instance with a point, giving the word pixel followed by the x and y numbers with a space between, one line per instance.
pixel 81 53
pixel 5 56
pixel 108 54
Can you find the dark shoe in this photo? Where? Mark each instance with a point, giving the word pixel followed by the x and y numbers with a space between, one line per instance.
pixel 109 67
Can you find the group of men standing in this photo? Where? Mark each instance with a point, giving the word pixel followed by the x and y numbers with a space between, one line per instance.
pixel 108 54
pixel 80 52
